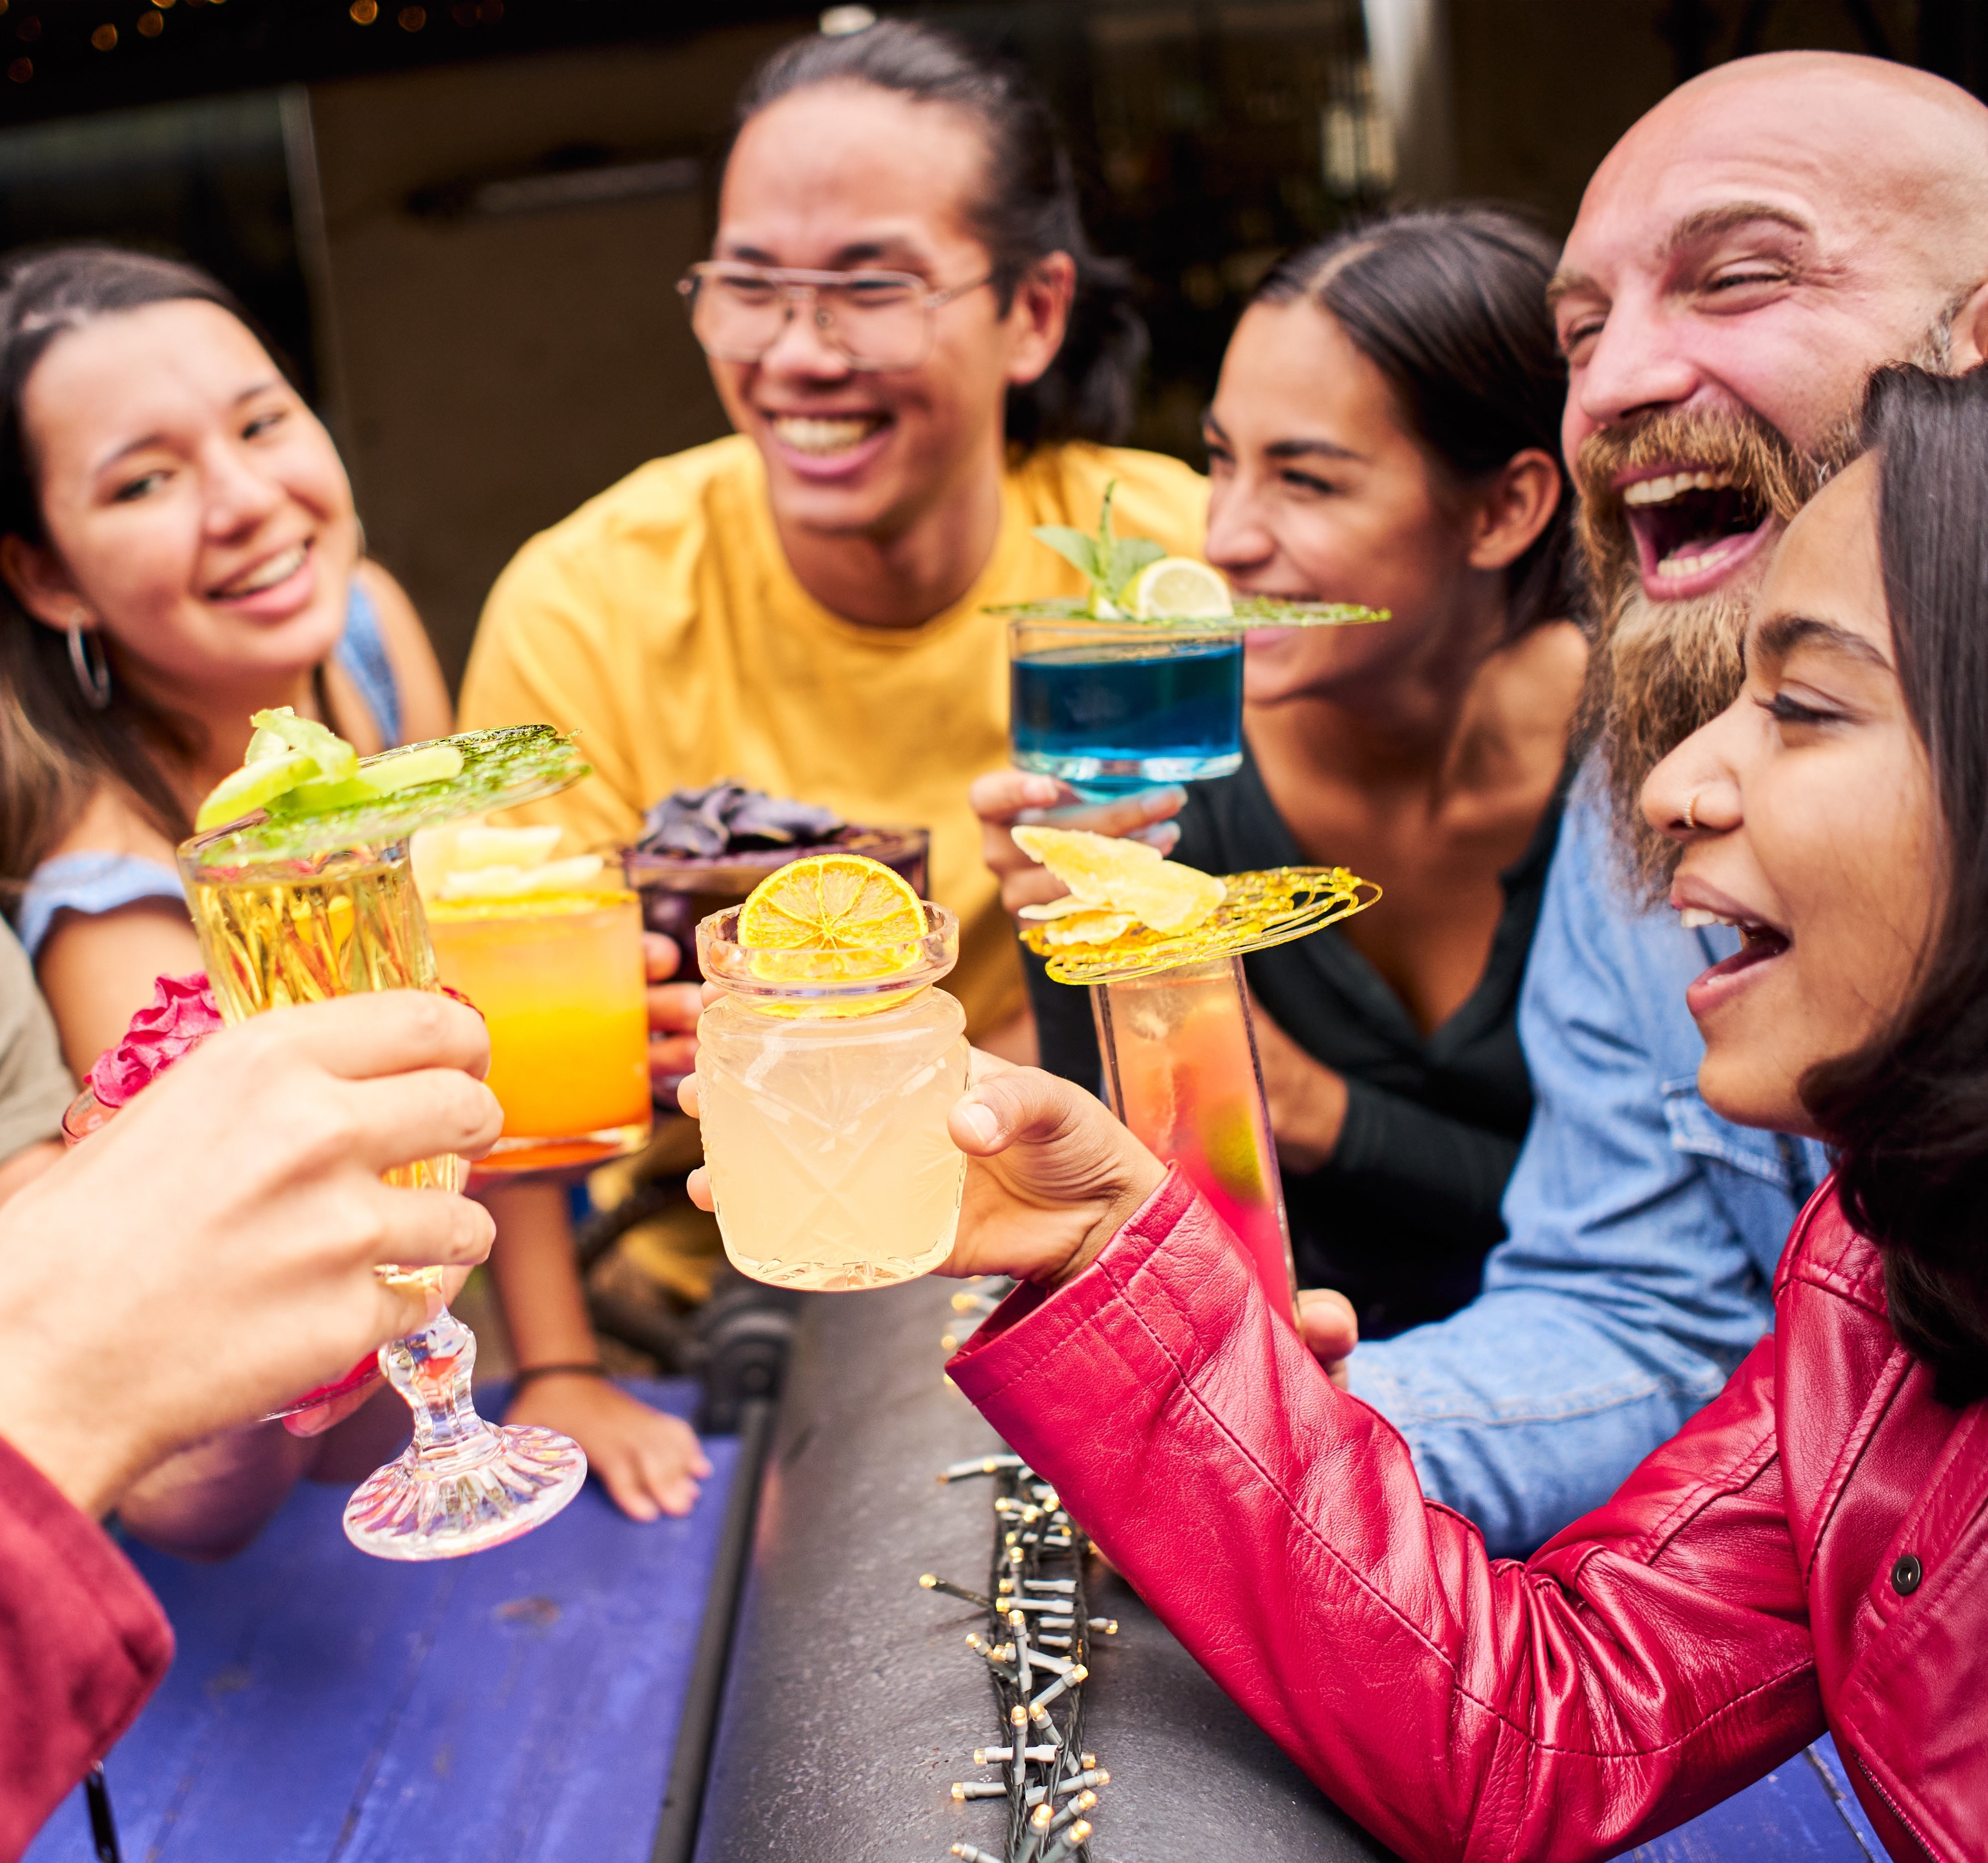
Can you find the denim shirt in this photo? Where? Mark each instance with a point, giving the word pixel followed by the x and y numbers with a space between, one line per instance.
pixel 1642 1230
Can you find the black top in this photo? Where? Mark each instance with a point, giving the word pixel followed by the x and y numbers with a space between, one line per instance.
pixel 1401 1217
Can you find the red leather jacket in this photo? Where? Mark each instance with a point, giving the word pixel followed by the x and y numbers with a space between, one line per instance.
pixel 1811 1548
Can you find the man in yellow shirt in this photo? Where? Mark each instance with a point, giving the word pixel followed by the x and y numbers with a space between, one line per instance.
pixel 919 352
pixel 921 356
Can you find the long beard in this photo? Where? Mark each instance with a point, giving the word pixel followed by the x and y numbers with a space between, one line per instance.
pixel 1660 670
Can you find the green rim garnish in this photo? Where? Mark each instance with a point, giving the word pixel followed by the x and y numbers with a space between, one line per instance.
pixel 498 769
pixel 1251 611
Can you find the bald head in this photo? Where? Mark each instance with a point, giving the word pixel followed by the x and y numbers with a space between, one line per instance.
pixel 1904 153
pixel 1746 256
pixel 1765 237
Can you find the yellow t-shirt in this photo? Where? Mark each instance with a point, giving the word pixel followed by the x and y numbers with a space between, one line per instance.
pixel 662 622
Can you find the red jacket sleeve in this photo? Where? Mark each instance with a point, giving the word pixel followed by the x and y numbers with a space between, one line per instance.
pixel 1646 1663
pixel 83 1645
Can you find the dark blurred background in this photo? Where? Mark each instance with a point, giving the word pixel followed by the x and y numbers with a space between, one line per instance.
pixel 464 220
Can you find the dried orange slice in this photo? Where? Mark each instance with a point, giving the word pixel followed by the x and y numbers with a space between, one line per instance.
pixel 1120 876
pixel 1089 927
pixel 831 915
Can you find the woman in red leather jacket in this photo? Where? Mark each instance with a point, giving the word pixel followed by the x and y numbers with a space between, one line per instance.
pixel 1812 1549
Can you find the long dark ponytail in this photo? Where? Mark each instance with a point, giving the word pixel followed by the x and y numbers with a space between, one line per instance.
pixel 1028 208
pixel 56 748
pixel 1910 1108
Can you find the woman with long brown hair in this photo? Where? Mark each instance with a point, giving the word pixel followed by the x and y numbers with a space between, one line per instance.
pixel 179 548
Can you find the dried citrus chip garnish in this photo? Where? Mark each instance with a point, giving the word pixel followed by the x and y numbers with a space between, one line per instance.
pixel 1124 877
pixel 1089 927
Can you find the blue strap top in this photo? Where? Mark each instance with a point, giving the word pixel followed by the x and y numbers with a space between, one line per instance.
pixel 93 883
pixel 361 653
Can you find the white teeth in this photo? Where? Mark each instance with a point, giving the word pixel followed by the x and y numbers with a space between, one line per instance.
pixel 271 573
pixel 818 433
pixel 1661 490
pixel 1690 565
pixel 1695 917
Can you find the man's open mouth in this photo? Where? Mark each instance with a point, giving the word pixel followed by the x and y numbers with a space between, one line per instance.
pixel 823 436
pixel 1690 521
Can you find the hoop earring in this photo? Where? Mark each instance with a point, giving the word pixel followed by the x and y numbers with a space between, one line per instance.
pixel 92 671
pixel 1691 811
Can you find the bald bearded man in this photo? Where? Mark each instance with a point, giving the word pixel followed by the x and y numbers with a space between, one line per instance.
pixel 1747 254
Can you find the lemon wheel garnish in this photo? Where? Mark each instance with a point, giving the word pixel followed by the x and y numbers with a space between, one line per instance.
pixel 831 918
pixel 1178 588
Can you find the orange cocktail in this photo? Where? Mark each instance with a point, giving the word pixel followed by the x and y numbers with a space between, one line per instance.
pixel 558 977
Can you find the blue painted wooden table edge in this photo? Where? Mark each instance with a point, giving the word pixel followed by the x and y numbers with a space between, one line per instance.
pixel 1802 1812
pixel 518 1706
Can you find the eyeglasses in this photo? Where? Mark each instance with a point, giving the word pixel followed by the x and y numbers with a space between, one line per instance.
pixel 876 320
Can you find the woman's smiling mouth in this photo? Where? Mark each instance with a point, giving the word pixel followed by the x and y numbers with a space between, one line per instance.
pixel 1760 943
pixel 265 575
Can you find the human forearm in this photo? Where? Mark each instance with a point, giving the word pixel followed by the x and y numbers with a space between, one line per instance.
pixel 210 1501
pixel 1528 1408
pixel 1440 1176
pixel 538 1281
pixel 1452 1705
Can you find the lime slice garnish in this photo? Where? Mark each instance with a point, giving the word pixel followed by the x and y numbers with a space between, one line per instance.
pixel 253 787
pixel 493 769
pixel 385 775
pixel 1177 588
pixel 281 732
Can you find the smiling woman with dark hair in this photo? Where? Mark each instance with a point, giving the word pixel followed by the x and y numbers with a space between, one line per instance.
pixel 1808 1552
pixel 1385 430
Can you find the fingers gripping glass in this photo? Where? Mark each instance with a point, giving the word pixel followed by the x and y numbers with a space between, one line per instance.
pixel 876 320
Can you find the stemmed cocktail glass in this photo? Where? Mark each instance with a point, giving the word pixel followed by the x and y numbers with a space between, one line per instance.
pixel 301 908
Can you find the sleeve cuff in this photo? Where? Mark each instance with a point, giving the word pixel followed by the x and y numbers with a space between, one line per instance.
pixel 1032 1321
pixel 83 1645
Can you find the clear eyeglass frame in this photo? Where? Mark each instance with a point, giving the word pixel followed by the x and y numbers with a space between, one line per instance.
pixel 877 321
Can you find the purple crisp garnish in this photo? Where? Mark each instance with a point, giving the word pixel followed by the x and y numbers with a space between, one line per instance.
pixel 728 818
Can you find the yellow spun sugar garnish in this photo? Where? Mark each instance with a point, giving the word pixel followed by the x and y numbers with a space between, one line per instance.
pixel 1130 913
pixel 831 918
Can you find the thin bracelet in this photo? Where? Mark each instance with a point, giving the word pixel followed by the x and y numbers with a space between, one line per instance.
pixel 524 1374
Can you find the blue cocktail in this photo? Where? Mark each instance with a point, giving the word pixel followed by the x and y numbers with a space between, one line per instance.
pixel 1110 706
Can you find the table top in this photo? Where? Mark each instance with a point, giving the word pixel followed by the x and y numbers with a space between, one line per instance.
pixel 522 1706
pixel 852 1703
pixel 517 1706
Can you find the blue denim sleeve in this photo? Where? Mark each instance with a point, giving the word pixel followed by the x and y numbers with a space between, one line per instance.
pixel 1642 1231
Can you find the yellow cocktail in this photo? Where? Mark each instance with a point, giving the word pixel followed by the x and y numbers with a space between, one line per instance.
pixel 560 979
pixel 825 1075
pixel 277 933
